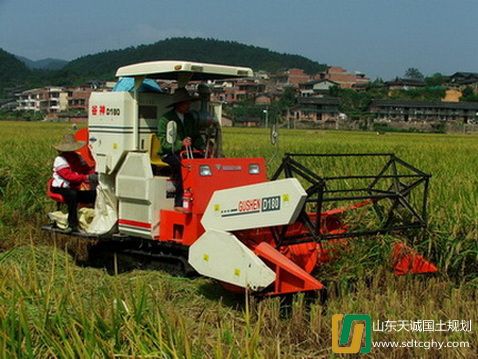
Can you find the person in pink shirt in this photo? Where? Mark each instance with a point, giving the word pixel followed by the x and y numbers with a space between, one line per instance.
pixel 73 179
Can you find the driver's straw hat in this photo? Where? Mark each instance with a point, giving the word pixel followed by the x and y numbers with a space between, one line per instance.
pixel 181 95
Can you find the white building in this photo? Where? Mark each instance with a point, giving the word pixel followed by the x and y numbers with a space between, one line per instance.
pixel 315 87
pixel 47 99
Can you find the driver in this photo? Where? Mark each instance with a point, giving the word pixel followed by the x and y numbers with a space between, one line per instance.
pixel 188 135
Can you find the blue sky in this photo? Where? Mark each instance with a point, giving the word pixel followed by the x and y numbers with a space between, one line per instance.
pixel 381 38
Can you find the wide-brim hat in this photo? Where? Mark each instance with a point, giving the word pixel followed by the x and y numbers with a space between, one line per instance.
pixel 69 144
pixel 182 95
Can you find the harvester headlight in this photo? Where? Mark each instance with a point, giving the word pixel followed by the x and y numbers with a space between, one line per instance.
pixel 254 169
pixel 205 170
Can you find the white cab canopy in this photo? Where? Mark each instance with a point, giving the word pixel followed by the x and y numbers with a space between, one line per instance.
pixel 181 70
pixel 123 121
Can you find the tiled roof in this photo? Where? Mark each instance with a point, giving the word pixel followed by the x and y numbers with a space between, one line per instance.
pixel 318 100
pixel 425 104
pixel 405 82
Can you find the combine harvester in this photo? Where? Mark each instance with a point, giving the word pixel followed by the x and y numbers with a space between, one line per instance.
pixel 241 228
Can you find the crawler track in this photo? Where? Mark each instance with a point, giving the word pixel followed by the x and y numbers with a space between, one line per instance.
pixel 130 252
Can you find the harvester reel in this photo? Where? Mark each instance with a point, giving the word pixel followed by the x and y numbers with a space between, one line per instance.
pixel 388 191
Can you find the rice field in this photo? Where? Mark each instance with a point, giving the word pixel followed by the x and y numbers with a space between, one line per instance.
pixel 52 307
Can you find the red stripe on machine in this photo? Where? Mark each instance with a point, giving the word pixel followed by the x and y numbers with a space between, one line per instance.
pixel 131 223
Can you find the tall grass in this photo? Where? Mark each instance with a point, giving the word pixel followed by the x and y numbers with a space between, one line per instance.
pixel 49 307
pixel 452 239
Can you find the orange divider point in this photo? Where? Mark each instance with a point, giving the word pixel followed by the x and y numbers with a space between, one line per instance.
pixel 408 261
pixel 290 278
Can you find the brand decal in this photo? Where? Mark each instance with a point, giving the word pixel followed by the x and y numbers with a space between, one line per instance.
pixel 254 205
pixel 228 167
pixel 102 110
pixel 231 168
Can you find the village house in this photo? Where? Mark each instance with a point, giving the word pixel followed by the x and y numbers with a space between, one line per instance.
pixel 8 105
pixel 404 84
pixel 316 110
pixel 424 111
pixel 46 99
pixel 232 91
pixel 316 87
pixel 342 77
pixel 461 80
pixel 247 121
pixel 28 100
pixel 52 100
pixel 78 98
pixel 292 77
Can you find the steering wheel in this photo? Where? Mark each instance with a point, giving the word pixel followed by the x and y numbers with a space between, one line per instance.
pixel 190 154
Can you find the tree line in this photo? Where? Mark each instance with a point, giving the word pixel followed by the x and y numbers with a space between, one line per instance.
pixel 102 66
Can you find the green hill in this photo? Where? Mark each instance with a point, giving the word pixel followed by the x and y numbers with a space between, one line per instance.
pixel 44 64
pixel 11 68
pixel 104 64
pixel 13 72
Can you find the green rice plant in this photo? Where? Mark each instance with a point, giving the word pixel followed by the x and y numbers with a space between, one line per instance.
pixel 49 307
